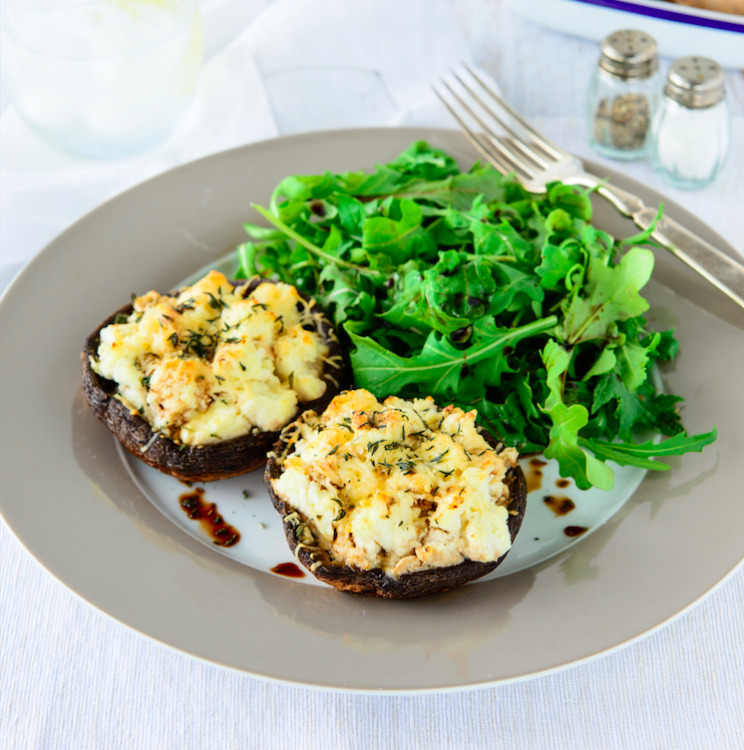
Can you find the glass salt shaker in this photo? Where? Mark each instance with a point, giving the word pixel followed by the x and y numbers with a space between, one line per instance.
pixel 623 95
pixel 691 131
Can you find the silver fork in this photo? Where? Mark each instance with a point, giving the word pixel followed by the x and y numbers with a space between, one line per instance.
pixel 512 145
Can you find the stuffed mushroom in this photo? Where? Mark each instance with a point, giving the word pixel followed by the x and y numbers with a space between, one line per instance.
pixel 396 499
pixel 199 382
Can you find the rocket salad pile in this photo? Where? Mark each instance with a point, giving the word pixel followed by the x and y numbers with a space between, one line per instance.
pixel 465 287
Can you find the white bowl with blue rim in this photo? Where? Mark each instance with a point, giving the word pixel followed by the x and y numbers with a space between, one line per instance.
pixel 679 30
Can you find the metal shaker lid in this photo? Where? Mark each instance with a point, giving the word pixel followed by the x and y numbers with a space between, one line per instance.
pixel 629 54
pixel 695 82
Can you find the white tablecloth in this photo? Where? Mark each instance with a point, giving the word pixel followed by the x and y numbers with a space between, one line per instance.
pixel 72 678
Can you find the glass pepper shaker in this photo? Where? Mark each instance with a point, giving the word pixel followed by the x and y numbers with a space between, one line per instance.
pixel 691 131
pixel 623 95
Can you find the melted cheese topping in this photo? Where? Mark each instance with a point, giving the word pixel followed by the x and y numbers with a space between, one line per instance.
pixel 400 485
pixel 208 364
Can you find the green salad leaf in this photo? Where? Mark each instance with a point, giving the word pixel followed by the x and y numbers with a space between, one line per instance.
pixel 567 421
pixel 464 286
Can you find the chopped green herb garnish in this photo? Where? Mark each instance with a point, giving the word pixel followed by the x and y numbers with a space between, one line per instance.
pixel 216 302
pixel 341 512
pixel 373 445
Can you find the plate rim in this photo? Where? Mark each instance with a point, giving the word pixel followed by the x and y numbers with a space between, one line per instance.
pixel 29 269
pixel 446 690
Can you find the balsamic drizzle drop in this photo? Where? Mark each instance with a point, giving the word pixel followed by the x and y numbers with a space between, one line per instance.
pixel 206 513
pixel 288 569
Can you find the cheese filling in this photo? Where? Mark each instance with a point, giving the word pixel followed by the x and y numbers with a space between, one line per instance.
pixel 208 364
pixel 399 485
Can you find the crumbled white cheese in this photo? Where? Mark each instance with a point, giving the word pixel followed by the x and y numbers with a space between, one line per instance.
pixel 400 485
pixel 208 364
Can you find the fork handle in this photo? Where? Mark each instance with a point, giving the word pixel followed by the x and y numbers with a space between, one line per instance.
pixel 720 269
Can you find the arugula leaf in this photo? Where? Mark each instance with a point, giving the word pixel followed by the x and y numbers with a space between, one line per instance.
pixel 561 266
pixel 397 238
pixel 464 286
pixel 439 364
pixel 421 302
pixel 516 291
pixel 634 454
pixel 341 292
pixel 612 294
pixel 567 421
pixel 605 362
pixel 572 199
pixel 631 361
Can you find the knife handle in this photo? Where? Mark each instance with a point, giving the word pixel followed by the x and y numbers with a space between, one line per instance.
pixel 720 269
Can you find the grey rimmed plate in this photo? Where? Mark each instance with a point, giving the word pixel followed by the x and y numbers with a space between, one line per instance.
pixel 88 520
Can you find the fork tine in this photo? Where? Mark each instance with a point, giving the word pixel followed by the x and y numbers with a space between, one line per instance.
pixel 518 164
pixel 533 155
pixel 494 151
pixel 480 143
pixel 550 148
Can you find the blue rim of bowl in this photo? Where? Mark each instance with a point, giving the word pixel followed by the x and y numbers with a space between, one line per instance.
pixel 709 21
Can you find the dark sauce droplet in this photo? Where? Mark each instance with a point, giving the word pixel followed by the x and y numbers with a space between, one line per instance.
pixel 198 509
pixel 562 483
pixel 288 569
pixel 574 530
pixel 318 208
pixel 534 474
pixel 461 335
pixel 558 504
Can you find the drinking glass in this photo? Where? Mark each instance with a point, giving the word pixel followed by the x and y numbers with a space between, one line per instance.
pixel 101 78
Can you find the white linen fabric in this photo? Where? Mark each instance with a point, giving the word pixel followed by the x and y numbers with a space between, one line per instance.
pixel 72 678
